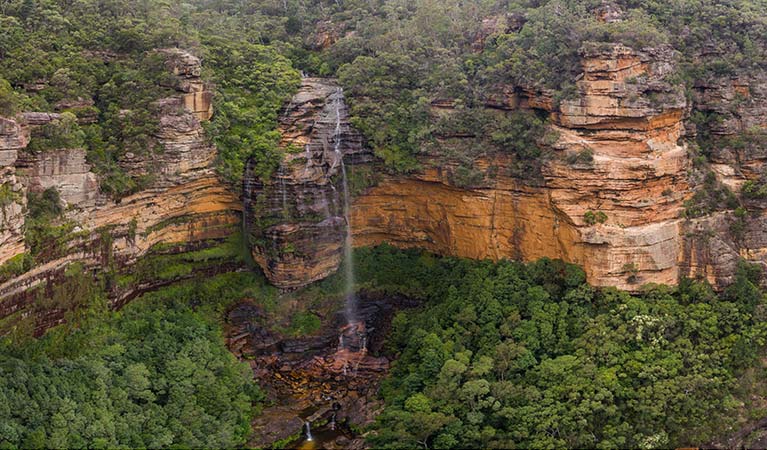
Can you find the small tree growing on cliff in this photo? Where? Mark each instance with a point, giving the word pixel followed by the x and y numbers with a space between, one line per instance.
pixel 593 218
pixel 633 271
pixel 58 134
pixel 584 157
pixel 8 101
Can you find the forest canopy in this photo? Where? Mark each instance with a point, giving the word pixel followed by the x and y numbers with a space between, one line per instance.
pixel 513 355
pixel 499 355
pixel 155 374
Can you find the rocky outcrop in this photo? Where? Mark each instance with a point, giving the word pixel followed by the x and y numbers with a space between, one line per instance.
pixel 612 190
pixel 185 207
pixel 63 169
pixel 196 97
pixel 316 378
pixel 186 152
pixel 324 35
pixel 14 136
pixel 630 119
pixel 610 197
pixel 732 116
pixel 295 218
pixel 730 123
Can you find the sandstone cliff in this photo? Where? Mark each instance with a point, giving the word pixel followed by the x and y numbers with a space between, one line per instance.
pixel 14 137
pixel 185 207
pixel 612 196
pixel 295 220
pixel 635 125
pixel 630 122
pixel 729 122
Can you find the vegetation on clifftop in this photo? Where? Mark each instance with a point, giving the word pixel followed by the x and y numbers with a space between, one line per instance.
pixel 253 83
pixel 96 61
pixel 395 58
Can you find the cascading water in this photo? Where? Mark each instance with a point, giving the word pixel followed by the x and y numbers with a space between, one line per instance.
pixel 348 261
pixel 285 211
pixel 309 431
pixel 247 189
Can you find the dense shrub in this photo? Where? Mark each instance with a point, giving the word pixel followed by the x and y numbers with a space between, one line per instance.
pixel 754 189
pixel 62 133
pixel 254 82
pixel 507 354
pixel 46 231
pixel 8 101
pixel 593 218
pixel 156 374
pixel 711 196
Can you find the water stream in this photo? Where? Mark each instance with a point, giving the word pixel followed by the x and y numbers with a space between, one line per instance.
pixel 309 431
pixel 285 211
pixel 348 261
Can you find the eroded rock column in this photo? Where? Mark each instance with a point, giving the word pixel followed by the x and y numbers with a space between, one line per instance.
pixel 295 219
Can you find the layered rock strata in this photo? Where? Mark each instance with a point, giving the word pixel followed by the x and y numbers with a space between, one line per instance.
pixel 186 206
pixel 63 169
pixel 196 95
pixel 14 136
pixel 611 194
pixel 730 124
pixel 295 218
pixel 615 211
pixel 611 197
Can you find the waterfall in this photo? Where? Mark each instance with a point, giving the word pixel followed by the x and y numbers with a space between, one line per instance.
pixel 247 193
pixel 348 261
pixel 363 351
pixel 285 211
pixel 308 431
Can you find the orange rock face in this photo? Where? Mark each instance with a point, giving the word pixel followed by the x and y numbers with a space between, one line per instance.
pixel 611 197
pixel 507 220
pixel 629 120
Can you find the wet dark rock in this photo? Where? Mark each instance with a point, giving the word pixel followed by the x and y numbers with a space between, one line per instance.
pixel 295 219
pixel 307 345
pixel 281 423
pixel 329 379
